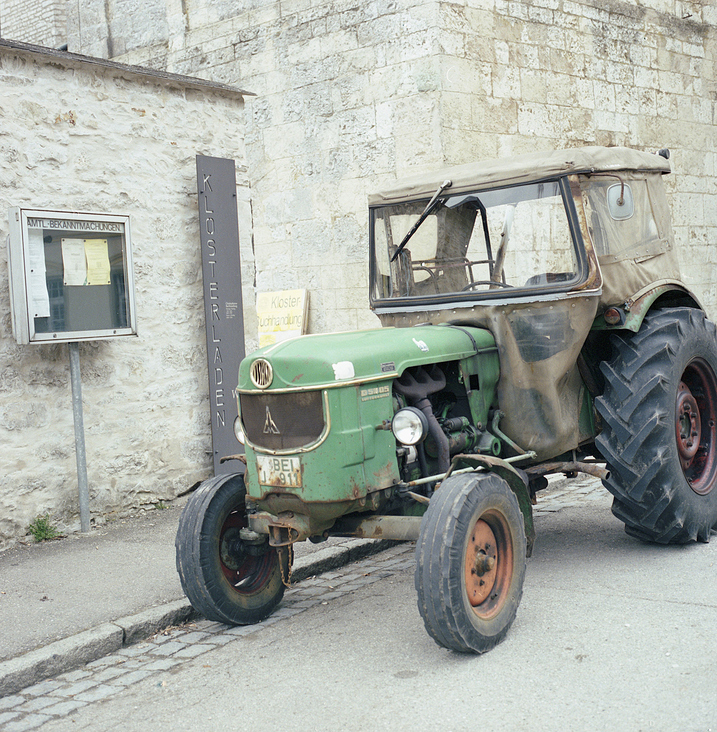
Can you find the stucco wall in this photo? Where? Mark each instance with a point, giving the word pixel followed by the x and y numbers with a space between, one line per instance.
pixel 75 136
pixel 350 95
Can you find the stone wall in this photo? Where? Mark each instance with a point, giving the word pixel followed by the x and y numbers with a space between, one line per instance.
pixel 350 95
pixel 79 136
pixel 43 22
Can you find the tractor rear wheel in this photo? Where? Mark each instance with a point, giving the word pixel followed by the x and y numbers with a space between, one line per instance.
pixel 659 437
pixel 470 562
pixel 225 576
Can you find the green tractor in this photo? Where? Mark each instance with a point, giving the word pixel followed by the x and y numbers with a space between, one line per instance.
pixel 534 323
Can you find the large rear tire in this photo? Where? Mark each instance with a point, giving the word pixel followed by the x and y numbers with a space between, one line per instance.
pixel 470 562
pixel 226 578
pixel 659 436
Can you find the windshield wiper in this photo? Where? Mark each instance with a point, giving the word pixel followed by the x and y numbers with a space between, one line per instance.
pixel 431 205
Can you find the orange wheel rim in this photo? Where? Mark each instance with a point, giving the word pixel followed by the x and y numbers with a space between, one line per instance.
pixel 488 564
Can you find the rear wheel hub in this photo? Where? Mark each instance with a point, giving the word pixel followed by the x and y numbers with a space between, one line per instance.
pixel 695 425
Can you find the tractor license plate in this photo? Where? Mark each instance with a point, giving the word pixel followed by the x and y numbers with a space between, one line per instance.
pixel 280 472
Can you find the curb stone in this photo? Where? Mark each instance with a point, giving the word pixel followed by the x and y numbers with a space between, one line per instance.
pixel 330 558
pixel 148 622
pixel 89 645
pixel 58 657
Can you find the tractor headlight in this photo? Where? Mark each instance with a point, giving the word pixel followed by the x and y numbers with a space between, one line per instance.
pixel 409 426
pixel 239 431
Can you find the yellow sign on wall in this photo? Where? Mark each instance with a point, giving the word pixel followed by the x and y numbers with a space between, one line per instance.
pixel 282 315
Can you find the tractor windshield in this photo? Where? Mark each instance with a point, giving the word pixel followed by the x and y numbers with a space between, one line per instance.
pixel 473 245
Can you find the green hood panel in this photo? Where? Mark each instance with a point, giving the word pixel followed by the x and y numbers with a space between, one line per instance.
pixel 335 359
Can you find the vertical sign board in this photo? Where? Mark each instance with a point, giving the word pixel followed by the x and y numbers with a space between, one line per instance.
pixel 221 268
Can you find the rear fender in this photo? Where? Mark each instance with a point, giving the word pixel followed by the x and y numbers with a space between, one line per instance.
pixel 634 309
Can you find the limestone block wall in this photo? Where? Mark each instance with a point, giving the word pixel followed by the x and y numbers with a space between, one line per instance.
pixel 43 22
pixel 350 95
pixel 78 136
pixel 347 96
pixel 523 76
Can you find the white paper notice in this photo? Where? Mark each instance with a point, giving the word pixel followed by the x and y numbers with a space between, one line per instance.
pixel 39 297
pixel 74 263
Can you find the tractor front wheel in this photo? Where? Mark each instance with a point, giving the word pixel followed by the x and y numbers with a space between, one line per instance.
pixel 226 576
pixel 470 562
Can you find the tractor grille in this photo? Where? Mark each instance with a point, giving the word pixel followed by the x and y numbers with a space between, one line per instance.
pixel 282 421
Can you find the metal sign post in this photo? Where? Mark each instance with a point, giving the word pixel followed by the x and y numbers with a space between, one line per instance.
pixel 79 436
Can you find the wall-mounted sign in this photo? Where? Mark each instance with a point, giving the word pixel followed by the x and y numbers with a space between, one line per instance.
pixel 70 276
pixel 282 315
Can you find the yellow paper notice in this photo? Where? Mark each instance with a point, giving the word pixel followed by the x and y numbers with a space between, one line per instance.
pixel 98 262
pixel 282 315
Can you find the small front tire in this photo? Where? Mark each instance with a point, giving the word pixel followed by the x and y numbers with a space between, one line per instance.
pixel 470 562
pixel 226 578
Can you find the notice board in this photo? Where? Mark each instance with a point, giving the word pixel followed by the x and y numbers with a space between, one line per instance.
pixel 71 276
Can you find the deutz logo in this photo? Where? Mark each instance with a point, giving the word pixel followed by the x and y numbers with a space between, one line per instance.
pixel 270 427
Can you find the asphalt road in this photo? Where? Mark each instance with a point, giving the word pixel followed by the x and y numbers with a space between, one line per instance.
pixel 612 634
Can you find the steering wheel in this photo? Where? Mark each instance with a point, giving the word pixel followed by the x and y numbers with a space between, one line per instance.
pixel 478 283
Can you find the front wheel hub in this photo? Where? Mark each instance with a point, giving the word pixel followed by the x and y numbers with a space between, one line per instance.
pixel 231 549
pixel 481 561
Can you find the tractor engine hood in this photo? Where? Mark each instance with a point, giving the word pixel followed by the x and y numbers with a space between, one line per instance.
pixel 335 359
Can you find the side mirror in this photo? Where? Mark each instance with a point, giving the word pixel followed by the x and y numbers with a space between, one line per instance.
pixel 620 202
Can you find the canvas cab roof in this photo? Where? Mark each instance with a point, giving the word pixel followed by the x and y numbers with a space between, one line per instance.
pixel 522 169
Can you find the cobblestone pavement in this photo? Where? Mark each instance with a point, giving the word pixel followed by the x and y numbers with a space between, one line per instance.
pixel 58 697
pixel 567 492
